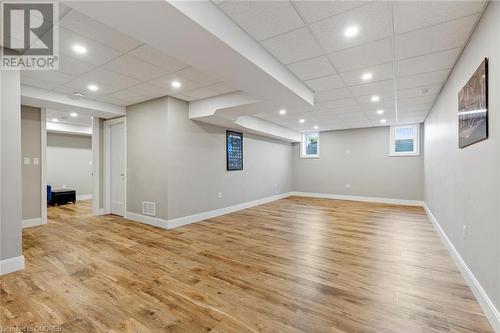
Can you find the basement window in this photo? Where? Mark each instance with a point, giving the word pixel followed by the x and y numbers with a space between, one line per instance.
pixel 309 147
pixel 405 140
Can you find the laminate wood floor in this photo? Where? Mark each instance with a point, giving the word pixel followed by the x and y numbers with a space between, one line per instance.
pixel 293 265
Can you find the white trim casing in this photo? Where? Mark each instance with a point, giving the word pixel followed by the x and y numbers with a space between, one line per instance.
pixel 416 141
pixel 360 198
pixel 96 166
pixel 84 197
pixel 107 162
pixel 303 148
pixel 43 164
pixel 11 265
pixel 32 222
pixel 486 303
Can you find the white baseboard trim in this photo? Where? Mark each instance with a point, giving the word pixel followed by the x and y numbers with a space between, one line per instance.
pixel 180 221
pixel 483 299
pixel 11 265
pixel 151 220
pixel 32 222
pixel 98 212
pixel 360 198
pixel 84 197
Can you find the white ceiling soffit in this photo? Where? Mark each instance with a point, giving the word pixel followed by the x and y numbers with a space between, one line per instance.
pixel 53 100
pixel 394 50
pixel 198 33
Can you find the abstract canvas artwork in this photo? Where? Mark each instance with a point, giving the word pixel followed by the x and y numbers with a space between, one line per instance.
pixel 473 108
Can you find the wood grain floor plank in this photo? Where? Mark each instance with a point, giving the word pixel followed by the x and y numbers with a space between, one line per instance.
pixel 293 265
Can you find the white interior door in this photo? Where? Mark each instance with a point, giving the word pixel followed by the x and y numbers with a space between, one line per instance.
pixel 117 168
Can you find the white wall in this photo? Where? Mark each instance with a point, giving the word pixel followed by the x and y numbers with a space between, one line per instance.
pixel 10 167
pixel 69 162
pixel 31 148
pixel 197 166
pixel 462 186
pixel 367 168
pixel 180 164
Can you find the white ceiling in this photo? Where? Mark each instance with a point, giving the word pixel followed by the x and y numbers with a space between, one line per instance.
pixel 64 117
pixel 408 46
pixel 126 70
pixel 421 43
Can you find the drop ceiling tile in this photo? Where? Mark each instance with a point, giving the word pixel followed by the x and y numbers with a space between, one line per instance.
pixel 427 63
pixel 313 11
pixel 331 95
pixel 366 55
pixel 380 73
pixel 29 81
pixel 420 80
pixel 72 66
pixel 413 15
pixel 200 93
pixel 129 97
pixel 135 68
pixel 435 38
pixel 263 19
pixel 165 82
pixel 153 56
pixel 414 108
pixel 427 99
pixel 107 81
pixel 184 97
pixel 385 97
pixel 375 118
pixel 293 46
pixel 312 68
pixel 359 124
pixel 195 75
pixel 387 105
pixel 345 103
pixel 326 83
pixel 111 100
pixel 54 77
pixel 92 29
pixel 149 90
pixel 222 88
pixel 419 91
pixel 97 54
pixel 372 88
pixel 373 21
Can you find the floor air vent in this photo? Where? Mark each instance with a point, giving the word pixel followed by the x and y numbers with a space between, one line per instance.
pixel 148 208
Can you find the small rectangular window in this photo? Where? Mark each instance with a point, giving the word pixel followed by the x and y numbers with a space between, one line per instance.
pixel 310 145
pixel 405 140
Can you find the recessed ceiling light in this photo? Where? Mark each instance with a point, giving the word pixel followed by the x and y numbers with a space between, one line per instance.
pixel 302 121
pixel 380 111
pixel 80 49
pixel 92 87
pixel 351 31
pixel 383 121
pixel 375 98
pixel 55 120
pixel 367 76
pixel 316 127
pixel 176 84
pixel 73 114
pixel 282 111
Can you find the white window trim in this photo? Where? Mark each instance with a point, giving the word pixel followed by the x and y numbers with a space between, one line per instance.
pixel 302 146
pixel 392 144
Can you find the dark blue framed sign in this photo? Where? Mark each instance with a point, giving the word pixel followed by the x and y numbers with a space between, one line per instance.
pixel 234 150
